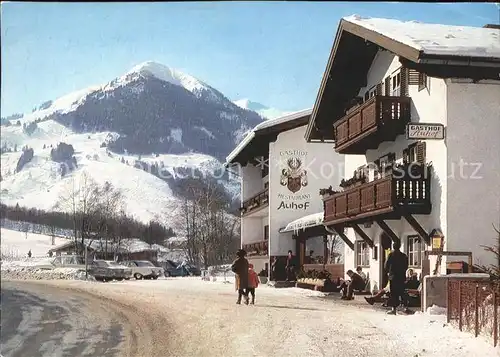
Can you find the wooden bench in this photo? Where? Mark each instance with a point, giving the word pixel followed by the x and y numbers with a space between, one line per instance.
pixel 322 285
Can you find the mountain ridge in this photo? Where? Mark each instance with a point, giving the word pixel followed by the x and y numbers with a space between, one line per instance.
pixel 151 113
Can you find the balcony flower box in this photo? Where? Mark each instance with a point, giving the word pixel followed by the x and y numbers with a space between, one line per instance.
pixel 352 182
pixel 327 192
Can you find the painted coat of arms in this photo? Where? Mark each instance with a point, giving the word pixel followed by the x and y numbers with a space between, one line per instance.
pixel 294 177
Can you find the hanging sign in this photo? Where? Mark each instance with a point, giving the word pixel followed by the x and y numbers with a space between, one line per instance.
pixel 424 131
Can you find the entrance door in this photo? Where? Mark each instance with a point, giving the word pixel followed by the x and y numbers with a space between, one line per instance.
pixel 385 247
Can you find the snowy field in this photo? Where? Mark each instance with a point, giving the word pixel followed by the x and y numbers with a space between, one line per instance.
pixel 15 245
pixel 40 184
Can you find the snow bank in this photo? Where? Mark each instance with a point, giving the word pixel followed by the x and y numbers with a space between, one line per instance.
pixel 33 273
pixel 436 310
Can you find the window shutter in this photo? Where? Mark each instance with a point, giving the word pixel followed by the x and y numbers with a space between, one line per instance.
pixel 404 81
pixel 378 91
pixel 387 89
pixel 413 77
pixel 421 152
pixel 406 156
pixel 422 81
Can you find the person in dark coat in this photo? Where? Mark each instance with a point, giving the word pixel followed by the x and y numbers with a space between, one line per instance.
pixel 395 268
pixel 240 268
pixel 348 287
pixel 291 266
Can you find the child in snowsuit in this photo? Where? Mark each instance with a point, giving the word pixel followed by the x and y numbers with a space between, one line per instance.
pixel 253 282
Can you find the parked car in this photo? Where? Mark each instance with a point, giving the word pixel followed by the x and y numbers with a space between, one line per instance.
pixel 143 269
pixel 106 270
pixel 181 269
pixel 172 268
pixel 192 270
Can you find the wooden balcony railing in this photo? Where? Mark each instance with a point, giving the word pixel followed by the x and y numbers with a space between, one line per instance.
pixel 381 118
pixel 260 200
pixel 256 248
pixel 398 193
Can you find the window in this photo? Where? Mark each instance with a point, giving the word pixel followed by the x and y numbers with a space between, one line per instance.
pixel 396 84
pixel 422 81
pixel 266 233
pixel 384 164
pixel 362 254
pixel 387 86
pixel 372 92
pixel 266 185
pixel 414 251
pixel 362 172
pixel 414 153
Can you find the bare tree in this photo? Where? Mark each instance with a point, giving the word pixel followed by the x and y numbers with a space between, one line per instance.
pixel 122 232
pixel 335 245
pixel 493 269
pixel 109 205
pixel 52 228
pixel 211 232
pixel 83 201
pixel 25 227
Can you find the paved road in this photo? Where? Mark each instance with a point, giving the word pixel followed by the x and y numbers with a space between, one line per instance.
pixel 43 321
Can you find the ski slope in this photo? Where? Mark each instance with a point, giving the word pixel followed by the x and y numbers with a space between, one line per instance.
pixel 39 184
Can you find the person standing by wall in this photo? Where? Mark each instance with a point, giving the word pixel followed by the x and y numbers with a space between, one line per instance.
pixel 240 268
pixel 395 268
pixel 291 266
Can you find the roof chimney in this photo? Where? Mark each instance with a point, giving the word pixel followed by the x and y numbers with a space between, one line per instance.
pixel 491 26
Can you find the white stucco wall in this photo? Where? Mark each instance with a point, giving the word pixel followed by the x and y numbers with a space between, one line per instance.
pixel 251 181
pixel 252 229
pixel 324 168
pixel 473 136
pixel 259 262
pixel 428 106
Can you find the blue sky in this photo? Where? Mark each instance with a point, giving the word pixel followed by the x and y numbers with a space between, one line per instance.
pixel 273 53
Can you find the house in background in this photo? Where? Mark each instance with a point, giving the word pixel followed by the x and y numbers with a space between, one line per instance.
pixel 281 175
pixel 129 249
pixel 415 109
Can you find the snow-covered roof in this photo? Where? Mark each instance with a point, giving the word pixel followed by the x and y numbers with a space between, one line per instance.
pixel 126 245
pixel 286 118
pixel 308 221
pixel 436 39
pixel 265 125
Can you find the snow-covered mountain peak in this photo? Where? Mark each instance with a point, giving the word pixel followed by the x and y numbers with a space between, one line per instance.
pixel 263 110
pixel 167 74
pixel 248 104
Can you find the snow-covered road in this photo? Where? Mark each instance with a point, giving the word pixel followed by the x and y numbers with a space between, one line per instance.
pixel 191 317
pixel 41 321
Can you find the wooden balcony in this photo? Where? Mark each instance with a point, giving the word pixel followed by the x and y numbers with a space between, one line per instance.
pixel 377 120
pixel 390 197
pixel 255 203
pixel 257 248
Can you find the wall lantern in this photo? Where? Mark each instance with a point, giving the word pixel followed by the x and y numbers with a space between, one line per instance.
pixel 437 239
